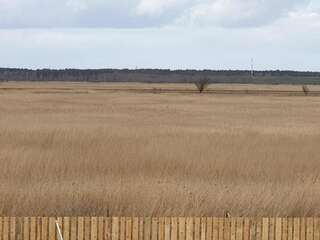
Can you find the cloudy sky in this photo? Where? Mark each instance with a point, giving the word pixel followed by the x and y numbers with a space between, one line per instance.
pixel 175 34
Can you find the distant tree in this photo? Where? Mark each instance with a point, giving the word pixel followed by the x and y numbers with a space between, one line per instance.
pixel 305 89
pixel 202 84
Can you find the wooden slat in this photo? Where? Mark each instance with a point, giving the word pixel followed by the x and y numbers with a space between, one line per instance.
pixel 197 228
pixel 212 226
pixel 161 228
pixel 66 228
pixel 33 228
pixel 12 228
pixel 253 229
pixel 303 229
pixel 154 228
pixel 296 229
pixel 278 228
pixel 128 228
pixel 290 228
pixel 182 228
pixel 233 228
pixel 52 228
pixel 141 228
pixel 6 228
pixel 239 234
pixel 189 228
pixel 60 223
pixel 284 229
pixel 94 228
pixel 115 228
pixel 44 228
pixel 203 233
pixel 227 229
pixel 316 229
pixel 147 229
pixel 80 228
pixel 167 228
pixel 122 228
pixel 18 231
pixel 73 228
pixel 100 228
pixel 259 229
pixel 221 223
pixel 271 228
pixel 39 225
pixel 19 228
pixel 174 228
pixel 135 228
pixel 246 228
pixel 215 228
pixel 26 228
pixel 87 228
pixel 107 229
pixel 265 229
pixel 1 223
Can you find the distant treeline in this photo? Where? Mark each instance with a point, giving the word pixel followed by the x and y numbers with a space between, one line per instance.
pixel 160 76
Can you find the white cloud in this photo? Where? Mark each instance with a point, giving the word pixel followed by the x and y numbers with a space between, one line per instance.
pixel 77 5
pixel 67 13
pixel 159 7
pixel 143 13
pixel 242 13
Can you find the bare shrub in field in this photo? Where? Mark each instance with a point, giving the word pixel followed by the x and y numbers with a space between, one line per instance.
pixel 305 90
pixel 157 154
pixel 202 84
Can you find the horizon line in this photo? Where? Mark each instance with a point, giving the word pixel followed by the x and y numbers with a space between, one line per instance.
pixel 159 69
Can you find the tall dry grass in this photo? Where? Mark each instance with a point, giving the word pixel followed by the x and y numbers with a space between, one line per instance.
pixel 158 154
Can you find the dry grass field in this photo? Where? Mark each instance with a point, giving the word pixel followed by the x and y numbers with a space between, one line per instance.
pixel 74 149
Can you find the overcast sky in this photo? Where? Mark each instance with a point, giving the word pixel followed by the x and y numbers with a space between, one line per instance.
pixel 175 34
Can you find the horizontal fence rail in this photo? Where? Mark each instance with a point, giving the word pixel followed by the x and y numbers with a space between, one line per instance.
pixel 160 228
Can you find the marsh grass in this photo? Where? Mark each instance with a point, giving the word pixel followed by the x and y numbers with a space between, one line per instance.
pixel 159 154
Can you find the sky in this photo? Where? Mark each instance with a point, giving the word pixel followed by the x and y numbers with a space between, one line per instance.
pixel 168 34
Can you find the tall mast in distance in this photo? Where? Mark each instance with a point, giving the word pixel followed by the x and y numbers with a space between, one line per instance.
pixel 252 69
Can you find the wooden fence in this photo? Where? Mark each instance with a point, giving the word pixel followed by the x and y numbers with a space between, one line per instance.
pixel 131 228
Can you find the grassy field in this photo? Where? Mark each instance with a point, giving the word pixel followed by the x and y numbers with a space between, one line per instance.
pixel 73 149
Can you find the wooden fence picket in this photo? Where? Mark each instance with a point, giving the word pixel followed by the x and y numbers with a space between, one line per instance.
pixel 174 228
pixel 135 228
pixel 115 228
pixel 197 228
pixel 182 228
pixel 147 229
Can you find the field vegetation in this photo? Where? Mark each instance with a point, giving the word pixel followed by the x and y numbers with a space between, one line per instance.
pixel 73 149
